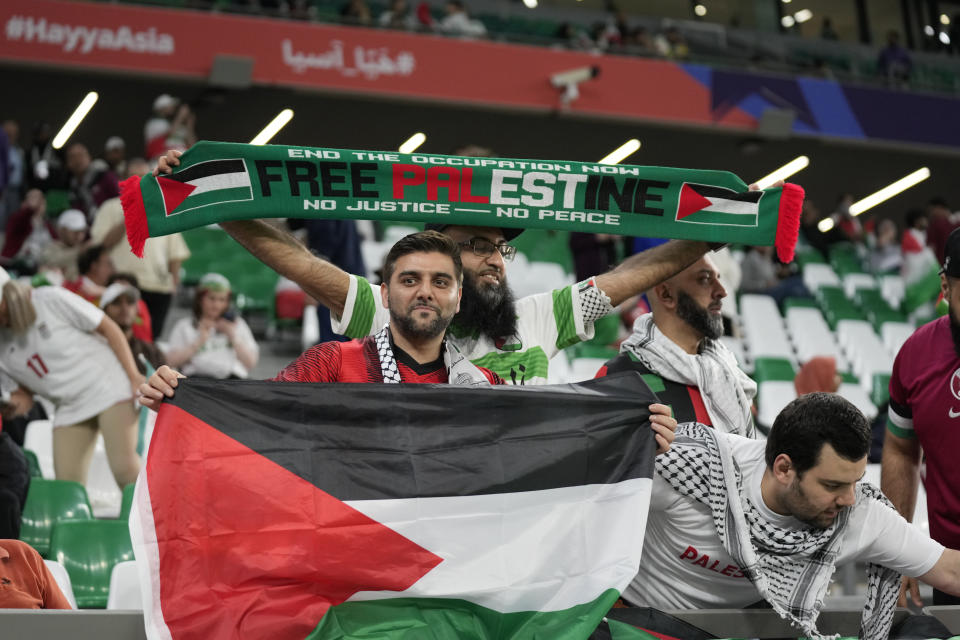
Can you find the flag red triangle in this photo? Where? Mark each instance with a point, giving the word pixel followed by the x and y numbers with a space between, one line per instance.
pixel 248 549
pixel 173 192
pixel 690 202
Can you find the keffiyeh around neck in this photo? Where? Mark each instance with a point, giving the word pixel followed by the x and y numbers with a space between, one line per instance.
pixel 791 568
pixel 459 370
pixel 727 391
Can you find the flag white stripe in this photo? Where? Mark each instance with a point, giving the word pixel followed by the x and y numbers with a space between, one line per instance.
pixel 534 551
pixel 220 181
pixel 723 205
pixel 146 550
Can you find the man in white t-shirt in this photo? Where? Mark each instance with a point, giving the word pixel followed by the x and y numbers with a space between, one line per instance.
pixel 734 521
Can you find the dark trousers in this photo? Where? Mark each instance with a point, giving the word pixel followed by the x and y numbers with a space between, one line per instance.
pixel 159 305
pixel 14 481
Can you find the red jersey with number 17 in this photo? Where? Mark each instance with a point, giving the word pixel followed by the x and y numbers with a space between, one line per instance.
pixel 925 404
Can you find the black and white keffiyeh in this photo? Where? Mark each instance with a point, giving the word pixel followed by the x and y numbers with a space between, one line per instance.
pixel 726 390
pixel 791 568
pixel 459 370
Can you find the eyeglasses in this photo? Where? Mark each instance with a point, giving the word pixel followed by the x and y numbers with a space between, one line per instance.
pixel 484 248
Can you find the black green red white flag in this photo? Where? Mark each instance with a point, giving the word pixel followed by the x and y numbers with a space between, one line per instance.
pixel 335 511
pixel 218 181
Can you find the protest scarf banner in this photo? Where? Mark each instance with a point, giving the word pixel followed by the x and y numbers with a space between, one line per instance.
pixel 333 511
pixel 216 182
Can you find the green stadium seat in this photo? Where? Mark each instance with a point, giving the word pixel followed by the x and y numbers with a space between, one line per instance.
pixel 765 369
pixel 89 550
pixel 591 350
pixel 606 330
pixel 49 502
pixel 546 245
pixel 33 464
pixel 809 257
pixel 126 503
pixel 791 303
pixel 880 389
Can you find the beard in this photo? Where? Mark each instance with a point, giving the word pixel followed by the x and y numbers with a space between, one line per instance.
pixel 801 509
pixel 710 325
pixel 487 308
pixel 406 324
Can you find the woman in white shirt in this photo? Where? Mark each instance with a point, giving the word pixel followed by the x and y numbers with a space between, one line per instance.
pixel 57 345
pixel 213 343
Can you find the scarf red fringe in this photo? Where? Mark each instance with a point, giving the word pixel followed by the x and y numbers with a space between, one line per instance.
pixel 788 221
pixel 134 214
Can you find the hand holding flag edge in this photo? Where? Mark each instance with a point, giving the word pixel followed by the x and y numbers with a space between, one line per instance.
pixel 788 221
pixel 134 214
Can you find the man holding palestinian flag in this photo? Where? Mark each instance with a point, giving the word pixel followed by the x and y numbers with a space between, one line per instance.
pixel 482 203
pixel 339 511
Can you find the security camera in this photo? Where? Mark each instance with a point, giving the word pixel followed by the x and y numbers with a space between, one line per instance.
pixel 568 82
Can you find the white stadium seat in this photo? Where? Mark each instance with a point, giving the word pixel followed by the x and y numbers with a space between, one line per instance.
pixel 864 350
pixel 59 573
pixel 817 275
pixel 763 328
pixel 858 397
pixel 772 397
pixel 854 281
pixel 812 336
pixel 39 439
pixel 892 289
pixel 105 496
pixel 125 587
pixel 894 334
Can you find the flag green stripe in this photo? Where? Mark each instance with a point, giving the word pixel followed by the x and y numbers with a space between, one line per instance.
pixel 364 309
pixel 720 218
pixel 441 619
pixel 563 314
pixel 534 361
pixel 923 290
pixel 218 196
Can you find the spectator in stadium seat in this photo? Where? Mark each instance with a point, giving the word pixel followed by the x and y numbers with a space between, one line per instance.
pixel 91 181
pixel 62 254
pixel 28 233
pixel 735 521
pixel 457 22
pixel 119 301
pixel 355 12
pixel 677 349
pixel 26 581
pixel 10 195
pixel 398 16
pixel 59 346
pixel 923 419
pixel 941 221
pixel 115 155
pixel 894 62
pixel 515 339
pixel 142 323
pixel 158 272
pixel 214 342
pixel 761 275
pixel 885 256
pixel 422 289
pixel 95 269
pixel 173 126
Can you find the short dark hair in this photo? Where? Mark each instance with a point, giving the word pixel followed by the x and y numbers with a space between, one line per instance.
pixel 813 420
pixel 938 201
pixel 124 276
pixel 88 257
pixel 423 242
pixel 913 215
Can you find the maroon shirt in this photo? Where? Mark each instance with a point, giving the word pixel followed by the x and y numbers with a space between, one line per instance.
pixel 925 404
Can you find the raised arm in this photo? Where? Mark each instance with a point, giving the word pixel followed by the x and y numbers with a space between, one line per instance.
pixel 283 253
pixel 945 575
pixel 642 271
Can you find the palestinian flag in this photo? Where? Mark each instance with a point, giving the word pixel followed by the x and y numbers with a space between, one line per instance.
pixel 921 275
pixel 287 511
pixel 205 184
pixel 708 204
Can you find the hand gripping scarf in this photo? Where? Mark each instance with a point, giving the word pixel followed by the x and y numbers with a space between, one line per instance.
pixel 790 568
pixel 726 390
pixel 459 370
pixel 218 181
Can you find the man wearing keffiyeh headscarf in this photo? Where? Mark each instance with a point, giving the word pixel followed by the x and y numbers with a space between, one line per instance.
pixel 676 348
pixel 734 521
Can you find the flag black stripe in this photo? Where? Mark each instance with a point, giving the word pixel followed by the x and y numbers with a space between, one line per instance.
pixel 387 441
pixel 209 168
pixel 710 191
